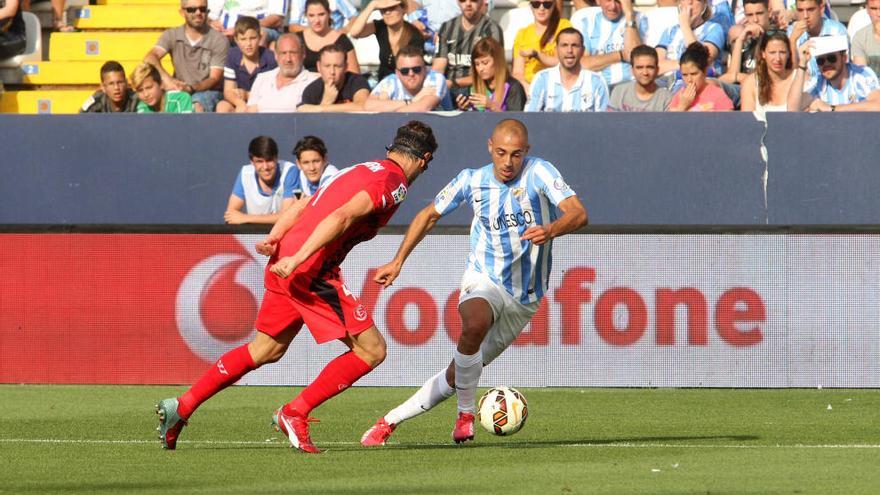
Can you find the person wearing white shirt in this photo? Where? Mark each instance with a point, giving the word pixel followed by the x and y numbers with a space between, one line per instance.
pixel 281 89
pixel 412 88
pixel 314 169
pixel 264 187
pixel 568 87
pixel 840 85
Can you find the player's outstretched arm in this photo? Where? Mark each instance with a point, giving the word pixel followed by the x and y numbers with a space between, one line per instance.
pixel 420 226
pixel 286 220
pixel 574 216
pixel 326 232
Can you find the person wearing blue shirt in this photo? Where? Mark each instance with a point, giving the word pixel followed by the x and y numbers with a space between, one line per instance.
pixel 314 170
pixel 840 85
pixel 412 88
pixel 811 23
pixel 609 38
pixel 265 187
pixel 568 87
pixel 515 201
pixel 694 24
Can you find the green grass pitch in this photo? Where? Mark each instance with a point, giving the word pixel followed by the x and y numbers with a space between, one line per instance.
pixel 101 439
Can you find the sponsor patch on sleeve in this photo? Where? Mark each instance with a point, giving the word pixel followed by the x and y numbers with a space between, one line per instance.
pixel 399 194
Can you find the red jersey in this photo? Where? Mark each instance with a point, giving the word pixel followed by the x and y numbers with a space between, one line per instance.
pixel 386 185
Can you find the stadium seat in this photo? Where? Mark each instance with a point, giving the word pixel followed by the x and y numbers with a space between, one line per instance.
pixel 126 17
pixel 101 45
pixel 511 22
pixel 81 72
pixel 33 49
pixel 580 15
pixel 43 102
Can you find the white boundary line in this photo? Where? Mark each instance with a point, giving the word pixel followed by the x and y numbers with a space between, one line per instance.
pixel 279 442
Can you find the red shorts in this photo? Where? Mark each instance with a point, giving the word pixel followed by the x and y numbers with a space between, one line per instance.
pixel 325 305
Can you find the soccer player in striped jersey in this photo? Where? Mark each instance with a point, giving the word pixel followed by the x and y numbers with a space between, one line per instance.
pixel 568 87
pixel 609 37
pixel 840 84
pixel 515 200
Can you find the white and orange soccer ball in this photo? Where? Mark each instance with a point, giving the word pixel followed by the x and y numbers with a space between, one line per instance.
pixel 503 411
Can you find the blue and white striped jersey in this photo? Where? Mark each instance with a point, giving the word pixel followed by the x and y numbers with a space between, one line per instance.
pixel 393 87
pixel 308 188
pixel 227 12
pixel 860 83
pixel 602 36
pixel 708 32
pixel 502 212
pixel 830 27
pixel 589 93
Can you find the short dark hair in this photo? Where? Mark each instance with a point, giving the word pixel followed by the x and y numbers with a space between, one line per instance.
pixel 570 30
pixel 646 51
pixel 765 3
pixel 244 23
pixel 310 143
pixel 696 54
pixel 263 147
pixel 331 48
pixel 410 51
pixel 414 138
pixel 322 3
pixel 111 66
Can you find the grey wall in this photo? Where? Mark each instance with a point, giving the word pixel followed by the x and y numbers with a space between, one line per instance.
pixel 629 169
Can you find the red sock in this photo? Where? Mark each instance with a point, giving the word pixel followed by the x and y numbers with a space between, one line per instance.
pixel 337 376
pixel 227 370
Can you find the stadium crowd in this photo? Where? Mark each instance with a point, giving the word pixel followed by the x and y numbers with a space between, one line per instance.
pixel 685 55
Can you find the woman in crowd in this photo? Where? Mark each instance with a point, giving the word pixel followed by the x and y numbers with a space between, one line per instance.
pixel 319 34
pixel 12 34
pixel 693 25
pixel 766 89
pixel 534 48
pixel 494 89
pixel 698 95
pixel 392 31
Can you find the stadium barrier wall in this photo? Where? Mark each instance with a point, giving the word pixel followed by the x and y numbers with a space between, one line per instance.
pixel 631 169
pixel 653 310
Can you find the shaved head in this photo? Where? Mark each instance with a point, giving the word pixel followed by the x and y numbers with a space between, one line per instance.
pixel 511 128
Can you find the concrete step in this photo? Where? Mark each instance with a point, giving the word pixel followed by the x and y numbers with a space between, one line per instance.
pixel 59 73
pixel 103 45
pixel 43 102
pixel 126 17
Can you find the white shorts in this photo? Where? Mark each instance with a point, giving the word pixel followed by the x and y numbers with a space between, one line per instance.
pixel 510 316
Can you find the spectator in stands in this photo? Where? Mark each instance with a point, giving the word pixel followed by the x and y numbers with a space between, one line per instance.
pixel 342 12
pixel 246 60
pixel 319 34
pixel 641 94
pixel 693 25
pixel 840 86
pixel 392 32
pixel 264 188
pixel 866 41
pixel 493 88
pixel 198 54
pixel 223 16
pixel 568 87
pixel 13 38
pixel 412 88
pixel 153 98
pixel 766 89
pixel 440 11
pixel 59 16
pixel 609 38
pixel 314 169
pixel 698 95
pixel 456 41
pixel 281 89
pixel 810 24
pixel 338 90
pixel 114 95
pixel 744 39
pixel 534 48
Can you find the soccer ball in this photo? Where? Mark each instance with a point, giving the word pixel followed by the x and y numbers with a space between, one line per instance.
pixel 503 411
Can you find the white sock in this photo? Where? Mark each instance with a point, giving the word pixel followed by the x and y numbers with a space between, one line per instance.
pixel 467 376
pixel 433 392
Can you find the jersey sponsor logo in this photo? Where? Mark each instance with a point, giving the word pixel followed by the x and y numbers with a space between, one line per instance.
pixel 221 368
pixel 560 185
pixel 517 191
pixel 399 194
pixel 444 194
pixel 507 220
pixel 360 313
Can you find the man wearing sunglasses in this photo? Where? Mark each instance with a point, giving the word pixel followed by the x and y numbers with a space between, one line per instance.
pixel 412 88
pixel 568 87
pixel 609 38
pixel 811 23
pixel 840 85
pixel 456 41
pixel 198 54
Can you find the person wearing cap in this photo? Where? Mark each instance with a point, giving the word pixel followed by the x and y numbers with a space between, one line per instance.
pixel 811 23
pixel 412 88
pixel 840 84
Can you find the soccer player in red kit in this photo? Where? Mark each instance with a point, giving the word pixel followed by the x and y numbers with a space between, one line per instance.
pixel 304 285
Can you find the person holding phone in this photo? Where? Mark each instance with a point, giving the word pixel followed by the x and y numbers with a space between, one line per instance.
pixel 493 88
